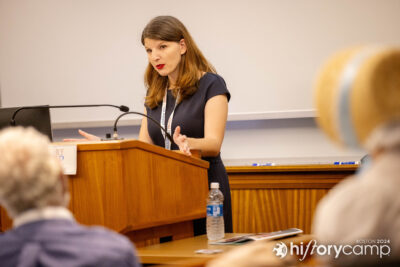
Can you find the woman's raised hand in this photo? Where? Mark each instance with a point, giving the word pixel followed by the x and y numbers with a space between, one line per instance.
pixel 182 141
pixel 87 137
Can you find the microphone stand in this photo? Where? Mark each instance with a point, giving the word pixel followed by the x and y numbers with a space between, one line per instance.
pixel 115 135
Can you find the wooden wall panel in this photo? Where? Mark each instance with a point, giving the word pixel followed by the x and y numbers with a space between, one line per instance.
pixel 266 199
pixel 265 210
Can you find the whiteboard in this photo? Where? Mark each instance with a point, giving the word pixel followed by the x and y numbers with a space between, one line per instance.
pixel 268 52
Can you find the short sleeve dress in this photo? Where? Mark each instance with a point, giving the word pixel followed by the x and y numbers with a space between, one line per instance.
pixel 189 115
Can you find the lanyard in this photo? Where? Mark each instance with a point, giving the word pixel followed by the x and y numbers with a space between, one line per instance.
pixel 169 123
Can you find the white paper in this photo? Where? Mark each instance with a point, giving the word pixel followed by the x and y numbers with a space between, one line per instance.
pixel 67 154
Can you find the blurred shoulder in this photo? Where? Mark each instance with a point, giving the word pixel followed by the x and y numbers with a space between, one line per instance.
pixel 115 239
pixel 350 209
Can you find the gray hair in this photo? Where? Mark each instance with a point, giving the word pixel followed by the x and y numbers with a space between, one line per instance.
pixel 30 174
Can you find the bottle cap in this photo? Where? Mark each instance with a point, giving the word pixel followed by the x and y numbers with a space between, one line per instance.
pixel 214 185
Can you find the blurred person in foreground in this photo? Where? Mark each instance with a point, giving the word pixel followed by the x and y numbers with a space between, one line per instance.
pixel 358 106
pixel 34 192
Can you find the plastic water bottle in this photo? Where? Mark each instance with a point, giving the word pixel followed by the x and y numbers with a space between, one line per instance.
pixel 215 218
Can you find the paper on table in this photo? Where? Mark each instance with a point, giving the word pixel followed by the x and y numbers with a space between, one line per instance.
pixel 259 236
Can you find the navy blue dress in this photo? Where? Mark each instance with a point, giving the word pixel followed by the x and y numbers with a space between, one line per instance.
pixel 189 115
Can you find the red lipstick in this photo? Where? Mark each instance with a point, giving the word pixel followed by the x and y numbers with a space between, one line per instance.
pixel 160 66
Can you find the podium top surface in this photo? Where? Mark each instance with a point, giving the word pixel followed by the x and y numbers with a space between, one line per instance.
pixel 134 144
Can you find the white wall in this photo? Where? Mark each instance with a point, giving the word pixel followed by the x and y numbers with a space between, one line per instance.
pixel 282 141
pixel 89 51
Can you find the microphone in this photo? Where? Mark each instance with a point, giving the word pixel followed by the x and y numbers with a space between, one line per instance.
pixel 115 135
pixel 121 108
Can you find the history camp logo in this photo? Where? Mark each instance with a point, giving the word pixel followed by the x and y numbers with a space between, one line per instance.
pixel 380 247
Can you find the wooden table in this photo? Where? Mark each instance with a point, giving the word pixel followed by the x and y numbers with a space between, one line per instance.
pixel 182 252
pixel 178 250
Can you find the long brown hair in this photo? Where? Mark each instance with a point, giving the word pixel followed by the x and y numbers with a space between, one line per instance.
pixel 193 63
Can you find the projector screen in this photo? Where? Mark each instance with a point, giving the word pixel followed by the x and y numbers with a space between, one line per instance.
pixel 268 52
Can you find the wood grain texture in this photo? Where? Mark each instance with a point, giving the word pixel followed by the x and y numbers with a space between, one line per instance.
pixel 140 190
pixel 177 251
pixel 266 199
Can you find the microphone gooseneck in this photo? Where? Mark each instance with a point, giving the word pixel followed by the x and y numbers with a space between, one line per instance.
pixel 12 121
pixel 115 135
pixel 121 108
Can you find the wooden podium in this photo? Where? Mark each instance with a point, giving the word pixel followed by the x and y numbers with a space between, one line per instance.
pixel 140 190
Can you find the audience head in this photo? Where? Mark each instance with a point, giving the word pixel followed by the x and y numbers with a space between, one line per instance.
pixel 358 90
pixel 30 174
